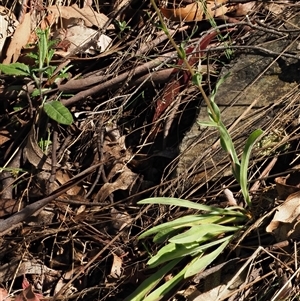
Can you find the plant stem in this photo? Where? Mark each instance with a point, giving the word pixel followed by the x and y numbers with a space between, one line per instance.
pixel 188 66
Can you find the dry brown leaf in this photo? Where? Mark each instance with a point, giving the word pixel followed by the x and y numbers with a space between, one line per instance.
pixel 78 35
pixel 18 41
pixel 242 9
pixel 87 14
pixel 62 176
pixel 275 8
pixel 286 221
pixel 196 11
pixel 120 219
pixel 285 186
pixel 116 268
pixel 124 181
pixel 4 136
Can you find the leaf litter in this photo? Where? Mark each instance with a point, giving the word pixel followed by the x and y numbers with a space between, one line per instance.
pixel 79 239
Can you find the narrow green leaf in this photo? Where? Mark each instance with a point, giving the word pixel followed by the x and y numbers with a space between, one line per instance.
pixel 189 204
pixel 43 48
pixel 37 92
pixel 161 292
pixel 216 111
pixel 15 69
pixel 196 233
pixel 201 263
pixel 171 251
pixel 163 235
pixel 178 223
pixel 149 284
pixel 58 112
pixel 227 144
pixel 245 162
pixel 192 220
pixel 181 54
pixel 208 245
pixel 197 79
pixel 207 123
pixel 215 90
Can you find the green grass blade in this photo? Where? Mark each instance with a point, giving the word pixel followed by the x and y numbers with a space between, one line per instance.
pixel 245 162
pixel 150 283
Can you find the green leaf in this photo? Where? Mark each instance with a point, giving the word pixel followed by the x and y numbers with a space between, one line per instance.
pixel 163 235
pixel 208 245
pixel 148 285
pixel 197 79
pixel 58 112
pixel 172 251
pixel 197 233
pixel 181 54
pixel 191 220
pixel 15 69
pixel 161 292
pixel 227 144
pixel 207 123
pixel 43 47
pixel 215 90
pixel 201 263
pixel 216 111
pixel 178 223
pixel 37 92
pixel 190 205
pixel 245 162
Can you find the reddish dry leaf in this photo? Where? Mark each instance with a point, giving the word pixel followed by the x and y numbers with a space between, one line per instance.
pixel 4 295
pixel 19 40
pixel 196 11
pixel 179 79
pixel 28 294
